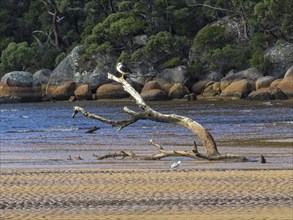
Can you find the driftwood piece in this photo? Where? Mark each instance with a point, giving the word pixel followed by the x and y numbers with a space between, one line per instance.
pixel 194 154
pixel 150 114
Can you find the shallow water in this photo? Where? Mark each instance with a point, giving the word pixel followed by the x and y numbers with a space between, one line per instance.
pixel 39 135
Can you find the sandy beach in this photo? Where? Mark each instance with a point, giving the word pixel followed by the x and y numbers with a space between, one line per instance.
pixel 146 194
pixel 39 181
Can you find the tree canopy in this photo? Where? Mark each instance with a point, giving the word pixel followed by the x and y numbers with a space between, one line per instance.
pixel 37 34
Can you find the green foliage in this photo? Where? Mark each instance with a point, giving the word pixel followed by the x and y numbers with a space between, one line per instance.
pixel 137 55
pixel 259 61
pixel 195 69
pixel 126 28
pixel 226 58
pixel 17 56
pixel 275 17
pixel 5 25
pixel 259 41
pixel 187 21
pixel 105 48
pixel 90 50
pixel 218 51
pixel 117 30
pixel 35 16
pixel 258 44
pixel 59 58
pixel 108 27
pixel 125 6
pixel 4 42
pixel 101 32
pixel 163 46
pixel 210 37
pixel 44 57
pixel 173 62
pixel 124 57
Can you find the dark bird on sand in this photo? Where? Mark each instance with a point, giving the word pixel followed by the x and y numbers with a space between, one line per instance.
pixel 124 70
pixel 93 129
pixel 262 159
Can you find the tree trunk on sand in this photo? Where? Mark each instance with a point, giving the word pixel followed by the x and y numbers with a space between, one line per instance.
pixel 150 114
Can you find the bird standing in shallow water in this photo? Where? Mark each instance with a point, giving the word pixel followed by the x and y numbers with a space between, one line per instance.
pixel 124 70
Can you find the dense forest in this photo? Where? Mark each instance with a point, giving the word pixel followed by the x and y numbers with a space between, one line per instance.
pixel 37 34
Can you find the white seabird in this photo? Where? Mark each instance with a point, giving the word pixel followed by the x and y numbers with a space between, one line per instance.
pixel 124 70
pixel 175 165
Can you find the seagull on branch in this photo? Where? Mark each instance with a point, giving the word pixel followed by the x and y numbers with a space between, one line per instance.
pixel 124 70
pixel 175 165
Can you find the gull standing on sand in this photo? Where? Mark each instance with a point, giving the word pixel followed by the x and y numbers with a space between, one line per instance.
pixel 175 165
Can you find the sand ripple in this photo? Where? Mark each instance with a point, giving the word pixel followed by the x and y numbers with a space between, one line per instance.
pixel 153 194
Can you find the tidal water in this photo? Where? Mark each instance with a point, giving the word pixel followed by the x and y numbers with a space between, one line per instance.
pixel 41 135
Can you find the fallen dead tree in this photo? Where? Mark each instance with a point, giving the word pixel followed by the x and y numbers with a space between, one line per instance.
pixel 148 113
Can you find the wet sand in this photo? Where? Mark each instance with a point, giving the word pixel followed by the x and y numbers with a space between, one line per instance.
pixel 37 181
pixel 146 194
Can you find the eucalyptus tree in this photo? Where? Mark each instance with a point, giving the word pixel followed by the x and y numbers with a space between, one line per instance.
pixel 17 56
pixel 163 50
pixel 274 17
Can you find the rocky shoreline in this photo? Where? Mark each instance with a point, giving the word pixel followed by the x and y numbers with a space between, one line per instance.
pixel 66 83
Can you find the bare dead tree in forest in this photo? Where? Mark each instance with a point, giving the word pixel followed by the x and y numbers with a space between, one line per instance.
pixel 233 9
pixel 56 39
pixel 148 113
